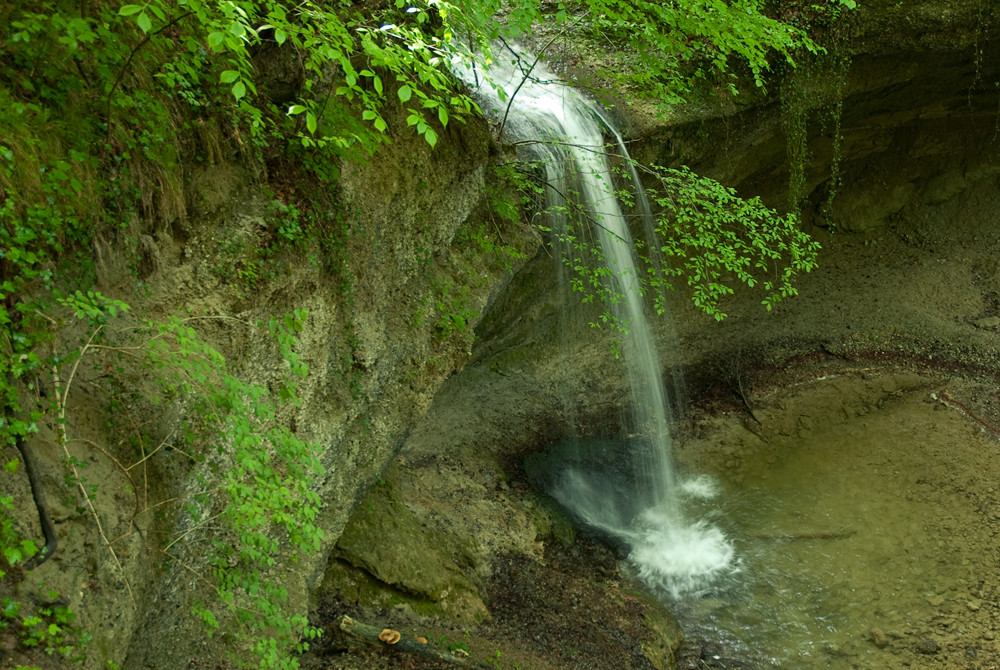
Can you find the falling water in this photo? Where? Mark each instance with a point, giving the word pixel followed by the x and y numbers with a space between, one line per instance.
pixel 565 132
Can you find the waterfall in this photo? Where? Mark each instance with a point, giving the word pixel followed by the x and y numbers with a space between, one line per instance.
pixel 558 127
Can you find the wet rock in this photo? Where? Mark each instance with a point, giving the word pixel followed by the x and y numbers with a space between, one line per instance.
pixel 927 645
pixel 878 638
pixel 701 655
pixel 833 649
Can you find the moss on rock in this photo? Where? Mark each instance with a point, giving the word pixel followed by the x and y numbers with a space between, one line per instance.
pixel 387 558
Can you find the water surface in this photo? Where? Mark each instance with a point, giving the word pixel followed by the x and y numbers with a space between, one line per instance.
pixel 866 535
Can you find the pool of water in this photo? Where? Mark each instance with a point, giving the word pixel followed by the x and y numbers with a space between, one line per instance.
pixel 865 519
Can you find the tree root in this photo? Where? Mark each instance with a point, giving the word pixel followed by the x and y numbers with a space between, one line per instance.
pixel 37 493
pixel 44 517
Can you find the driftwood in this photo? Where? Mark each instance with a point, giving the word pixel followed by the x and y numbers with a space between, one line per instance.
pixel 370 635
pixel 806 535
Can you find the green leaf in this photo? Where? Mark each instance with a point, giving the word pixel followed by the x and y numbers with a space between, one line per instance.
pixel 239 90
pixel 229 76
pixel 443 115
pixel 405 93
pixel 144 22
pixel 11 465
pixel 13 555
pixel 129 10
pixel 216 40
pixel 280 36
pixel 311 122
pixel 296 109
pixel 430 136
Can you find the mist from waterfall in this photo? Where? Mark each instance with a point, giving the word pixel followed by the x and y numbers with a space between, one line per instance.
pixel 639 503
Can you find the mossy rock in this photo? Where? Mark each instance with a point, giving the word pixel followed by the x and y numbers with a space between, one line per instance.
pixel 550 520
pixel 386 558
pixel 665 634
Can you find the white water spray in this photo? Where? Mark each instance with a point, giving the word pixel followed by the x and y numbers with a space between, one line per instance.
pixel 566 132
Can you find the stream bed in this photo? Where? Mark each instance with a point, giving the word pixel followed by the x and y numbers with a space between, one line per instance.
pixel 864 513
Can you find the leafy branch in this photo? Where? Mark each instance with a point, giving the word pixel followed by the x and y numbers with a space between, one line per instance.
pixel 706 235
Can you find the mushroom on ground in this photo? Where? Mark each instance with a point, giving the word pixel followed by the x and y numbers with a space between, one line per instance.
pixel 389 636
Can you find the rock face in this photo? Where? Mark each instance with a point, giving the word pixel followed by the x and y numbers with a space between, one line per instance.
pixel 377 348
pixel 390 309
pixel 917 106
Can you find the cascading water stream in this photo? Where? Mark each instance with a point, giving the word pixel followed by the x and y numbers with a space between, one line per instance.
pixel 565 132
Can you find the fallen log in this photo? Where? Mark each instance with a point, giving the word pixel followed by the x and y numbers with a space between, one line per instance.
pixel 376 637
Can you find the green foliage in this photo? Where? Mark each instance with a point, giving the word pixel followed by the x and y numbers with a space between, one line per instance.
pixel 669 46
pixel 49 628
pixel 715 235
pixel 15 550
pixel 268 505
pixel 451 310
pixel 812 16
pixel 265 500
pixel 393 47
pixel 705 235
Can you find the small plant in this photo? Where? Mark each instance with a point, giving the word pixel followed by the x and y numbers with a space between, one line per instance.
pixel 266 490
pixel 453 313
pixel 288 225
pixel 50 628
pixel 15 550
pixel 704 235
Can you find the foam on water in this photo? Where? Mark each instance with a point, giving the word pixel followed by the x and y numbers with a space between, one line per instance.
pixel 702 487
pixel 680 558
pixel 672 555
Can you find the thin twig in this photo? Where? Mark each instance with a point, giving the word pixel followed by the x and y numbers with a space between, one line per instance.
pixel 198 575
pixel 192 529
pixel 62 397
pixel 213 587
pixel 527 74
pixel 524 79
pixel 105 452
pixel 153 452
pixel 128 62
pixel 170 500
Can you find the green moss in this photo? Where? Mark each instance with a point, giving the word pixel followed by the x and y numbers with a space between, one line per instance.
pixel 550 520
pixel 665 634
pixel 386 557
